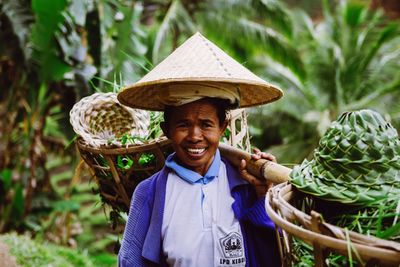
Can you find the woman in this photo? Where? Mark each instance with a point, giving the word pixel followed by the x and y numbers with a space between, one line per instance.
pixel 198 210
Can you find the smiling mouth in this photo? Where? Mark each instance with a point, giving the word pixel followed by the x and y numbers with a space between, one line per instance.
pixel 195 150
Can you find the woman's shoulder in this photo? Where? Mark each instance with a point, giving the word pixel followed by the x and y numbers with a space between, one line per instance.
pixel 234 177
pixel 150 183
pixel 144 192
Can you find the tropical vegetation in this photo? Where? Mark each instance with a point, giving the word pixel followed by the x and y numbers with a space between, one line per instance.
pixel 349 61
pixel 54 52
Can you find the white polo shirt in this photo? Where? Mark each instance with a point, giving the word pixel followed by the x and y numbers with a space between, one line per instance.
pixel 199 227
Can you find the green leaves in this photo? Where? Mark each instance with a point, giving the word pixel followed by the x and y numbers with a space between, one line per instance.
pixel 66 206
pixel 379 218
pixel 356 170
pixel 20 17
pixel 146 158
pixel 49 17
pixel 356 161
pixel 5 179
pixel 175 21
pixel 350 59
pixel 11 200
pixel 124 162
pixel 121 38
pixel 256 29
pixel 34 253
pixel 155 130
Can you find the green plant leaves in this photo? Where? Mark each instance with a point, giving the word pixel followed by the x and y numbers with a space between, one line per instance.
pixel 17 206
pixel 33 253
pixel 124 162
pixel 48 18
pixel 66 206
pixel 356 170
pixel 122 37
pixel 146 158
pixel 20 17
pixel 356 161
pixel 12 202
pixel 175 20
pixel 5 179
pixel 351 61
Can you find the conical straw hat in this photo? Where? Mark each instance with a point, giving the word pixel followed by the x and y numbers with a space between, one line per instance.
pixel 198 60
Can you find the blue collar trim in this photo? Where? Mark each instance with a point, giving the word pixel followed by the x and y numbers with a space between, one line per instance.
pixel 191 176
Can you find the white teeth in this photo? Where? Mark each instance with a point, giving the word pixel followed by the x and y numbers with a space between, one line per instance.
pixel 196 150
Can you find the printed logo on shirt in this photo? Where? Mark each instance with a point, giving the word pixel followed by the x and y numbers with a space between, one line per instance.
pixel 232 250
pixel 232 245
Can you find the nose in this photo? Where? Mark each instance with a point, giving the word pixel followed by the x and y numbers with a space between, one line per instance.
pixel 195 134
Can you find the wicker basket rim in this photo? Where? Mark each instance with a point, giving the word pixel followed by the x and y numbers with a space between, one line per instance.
pixel 388 251
pixel 118 150
pixel 85 111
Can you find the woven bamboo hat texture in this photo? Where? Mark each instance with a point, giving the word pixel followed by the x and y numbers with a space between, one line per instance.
pixel 197 62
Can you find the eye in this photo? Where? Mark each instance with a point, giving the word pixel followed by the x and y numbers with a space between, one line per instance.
pixel 181 124
pixel 207 125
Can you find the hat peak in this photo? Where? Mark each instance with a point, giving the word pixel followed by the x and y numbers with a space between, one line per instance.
pixel 200 60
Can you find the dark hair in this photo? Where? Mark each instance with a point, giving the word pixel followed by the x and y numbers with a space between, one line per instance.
pixel 221 105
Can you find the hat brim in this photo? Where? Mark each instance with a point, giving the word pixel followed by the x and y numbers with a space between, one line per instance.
pixel 144 95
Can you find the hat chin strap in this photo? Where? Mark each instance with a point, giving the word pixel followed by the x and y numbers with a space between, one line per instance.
pixel 183 93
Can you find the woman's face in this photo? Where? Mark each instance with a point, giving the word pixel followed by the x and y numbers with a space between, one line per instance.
pixel 195 132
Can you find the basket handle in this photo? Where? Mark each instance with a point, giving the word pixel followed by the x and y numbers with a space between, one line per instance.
pixel 262 168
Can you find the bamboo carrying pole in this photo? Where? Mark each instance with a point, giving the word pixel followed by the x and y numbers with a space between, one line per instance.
pixel 261 168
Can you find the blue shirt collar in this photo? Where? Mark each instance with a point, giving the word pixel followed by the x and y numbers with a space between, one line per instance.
pixel 191 176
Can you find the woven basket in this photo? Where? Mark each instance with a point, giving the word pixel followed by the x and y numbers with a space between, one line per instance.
pixel 323 237
pixel 100 121
pixel 239 132
pixel 100 118
pixel 117 169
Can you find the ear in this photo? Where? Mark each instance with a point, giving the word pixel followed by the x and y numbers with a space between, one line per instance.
pixel 223 127
pixel 164 128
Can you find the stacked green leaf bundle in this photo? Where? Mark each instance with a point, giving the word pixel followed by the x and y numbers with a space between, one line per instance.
pixel 357 161
pixel 354 177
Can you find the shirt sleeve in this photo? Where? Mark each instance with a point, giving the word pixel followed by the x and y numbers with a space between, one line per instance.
pixel 258 216
pixel 130 253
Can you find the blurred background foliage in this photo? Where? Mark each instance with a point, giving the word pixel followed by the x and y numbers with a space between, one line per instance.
pixel 327 56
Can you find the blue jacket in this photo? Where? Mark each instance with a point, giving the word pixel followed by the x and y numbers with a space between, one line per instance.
pixel 142 241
